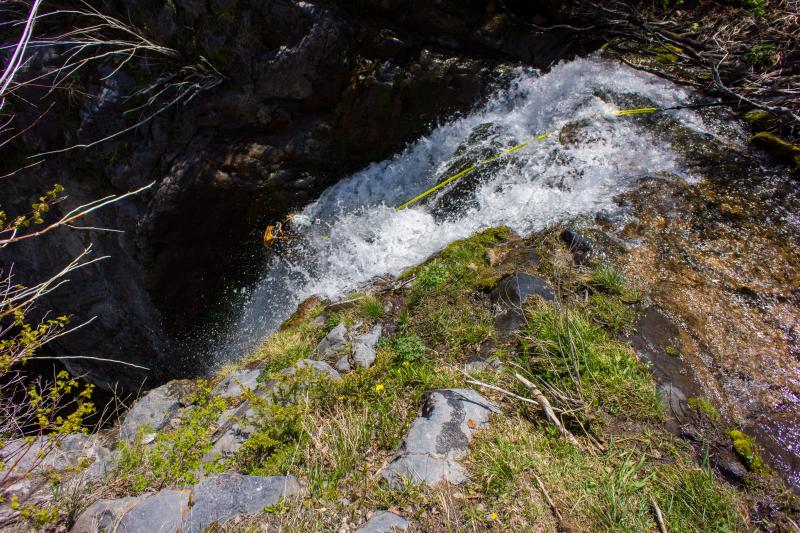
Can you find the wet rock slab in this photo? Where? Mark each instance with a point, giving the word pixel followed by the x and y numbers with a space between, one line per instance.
pixel 440 436
pixel 510 294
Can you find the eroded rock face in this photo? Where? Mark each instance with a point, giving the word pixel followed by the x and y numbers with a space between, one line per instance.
pixel 76 459
pixel 439 437
pixel 307 93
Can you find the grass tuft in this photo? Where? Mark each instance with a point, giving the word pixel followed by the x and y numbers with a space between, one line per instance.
pixel 371 308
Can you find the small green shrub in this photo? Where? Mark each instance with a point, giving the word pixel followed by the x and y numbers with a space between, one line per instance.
pixel 761 54
pixel 408 347
pixel 173 459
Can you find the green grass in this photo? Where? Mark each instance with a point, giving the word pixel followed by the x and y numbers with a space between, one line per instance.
pixel 567 349
pixel 609 280
pixel 611 313
pixel 371 308
pixel 335 436
pixel 610 492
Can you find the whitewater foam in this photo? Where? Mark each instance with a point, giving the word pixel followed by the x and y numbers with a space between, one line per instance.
pixel 353 234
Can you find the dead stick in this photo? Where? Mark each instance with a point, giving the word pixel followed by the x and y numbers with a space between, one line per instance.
pixel 548 410
pixel 561 524
pixel 662 526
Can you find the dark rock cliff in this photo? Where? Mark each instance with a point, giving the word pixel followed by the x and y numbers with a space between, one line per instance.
pixel 311 92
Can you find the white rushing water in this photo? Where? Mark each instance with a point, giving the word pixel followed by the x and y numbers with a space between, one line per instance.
pixel 352 233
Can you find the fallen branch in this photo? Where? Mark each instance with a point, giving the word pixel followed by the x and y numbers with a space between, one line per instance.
pixel 471 380
pixel 662 526
pixel 561 524
pixel 548 411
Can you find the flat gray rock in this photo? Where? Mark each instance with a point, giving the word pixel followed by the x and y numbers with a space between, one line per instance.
pixel 161 512
pixel 320 368
pixel 343 364
pixel 68 452
pixel 103 515
pixel 364 347
pixel 384 522
pixel 333 343
pixel 480 365
pixel 236 382
pixel 222 497
pixel 156 408
pixel 439 436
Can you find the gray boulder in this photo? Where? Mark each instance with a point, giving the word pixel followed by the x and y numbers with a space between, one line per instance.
pixel 236 382
pixel 320 368
pixel 333 343
pixel 156 408
pixel 160 512
pixel 384 522
pixel 44 454
pixel 439 436
pixel 582 248
pixel 222 497
pixel 364 347
pixel 343 364
pixel 103 515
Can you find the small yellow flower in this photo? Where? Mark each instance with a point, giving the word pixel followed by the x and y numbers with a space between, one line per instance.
pixel 340 398
pixel 379 387
pixel 406 363
pixel 494 516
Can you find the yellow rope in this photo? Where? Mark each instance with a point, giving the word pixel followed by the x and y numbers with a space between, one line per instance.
pixel 640 111
pixel 473 167
pixel 617 113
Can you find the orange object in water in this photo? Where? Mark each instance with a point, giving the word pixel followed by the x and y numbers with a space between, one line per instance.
pixel 275 232
pixel 272 234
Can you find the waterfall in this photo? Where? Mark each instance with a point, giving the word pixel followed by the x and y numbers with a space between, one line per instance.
pixel 352 233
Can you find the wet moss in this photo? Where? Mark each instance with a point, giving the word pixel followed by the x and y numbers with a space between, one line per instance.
pixel 746 449
pixel 777 146
pixel 705 408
